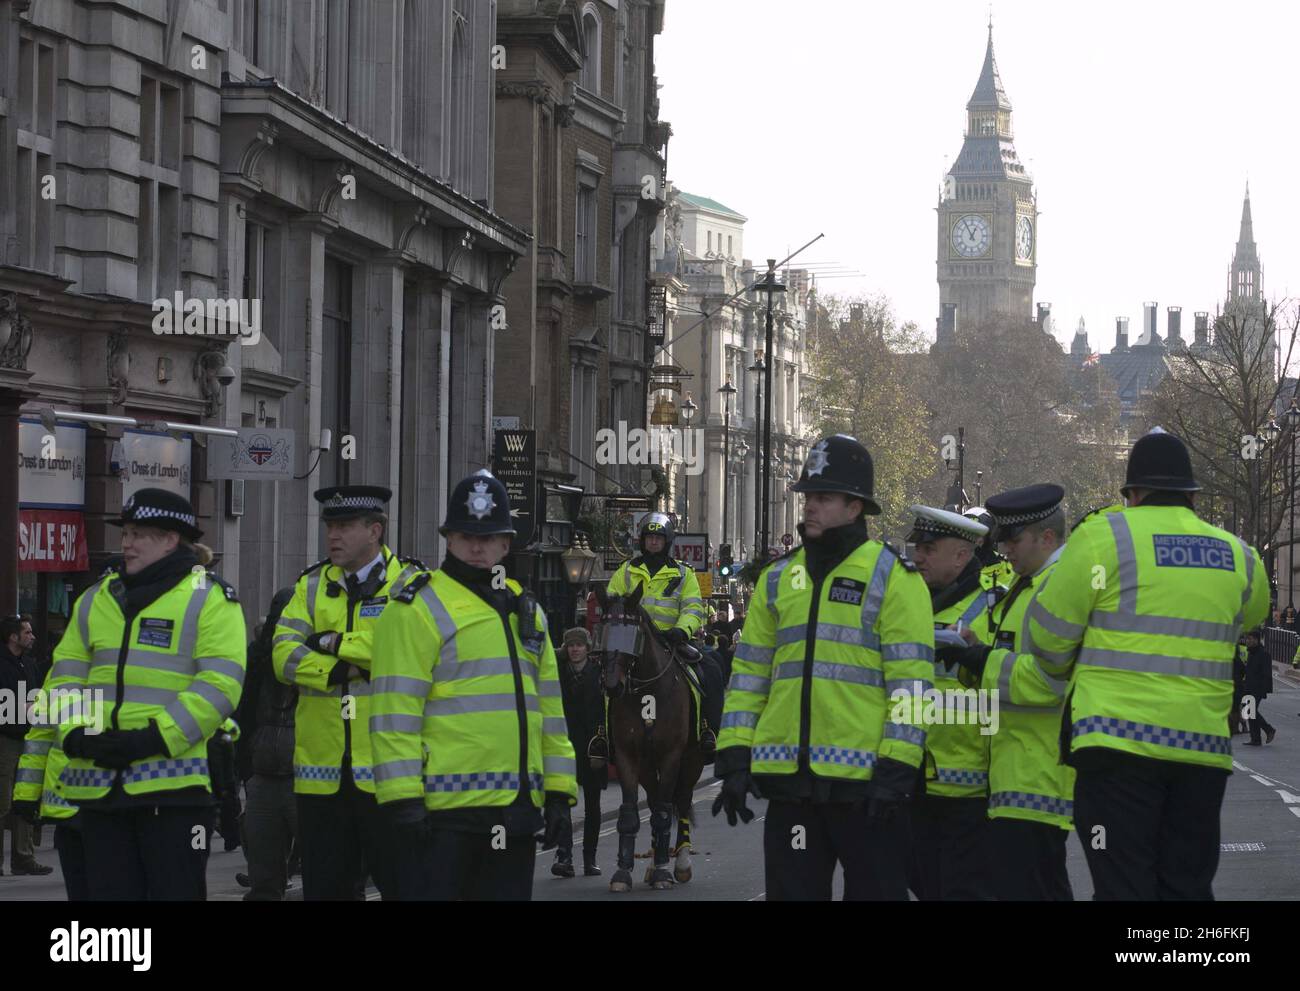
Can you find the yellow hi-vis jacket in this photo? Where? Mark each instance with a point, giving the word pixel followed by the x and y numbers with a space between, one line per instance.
pixel 1026 778
pixel 179 663
pixel 956 751
pixel 858 645
pixel 1142 619
pixel 332 722
pixel 682 607
pixel 465 712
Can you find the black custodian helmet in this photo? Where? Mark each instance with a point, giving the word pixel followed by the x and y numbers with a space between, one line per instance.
pixel 479 505
pixel 1160 461
pixel 840 464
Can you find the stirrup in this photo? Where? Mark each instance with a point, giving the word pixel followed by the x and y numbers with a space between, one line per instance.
pixel 598 751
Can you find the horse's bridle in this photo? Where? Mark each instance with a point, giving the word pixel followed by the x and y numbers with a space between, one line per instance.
pixel 634 686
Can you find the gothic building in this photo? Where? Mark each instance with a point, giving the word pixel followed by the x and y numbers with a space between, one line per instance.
pixel 988 218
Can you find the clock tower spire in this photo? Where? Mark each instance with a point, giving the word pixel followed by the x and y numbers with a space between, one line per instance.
pixel 988 218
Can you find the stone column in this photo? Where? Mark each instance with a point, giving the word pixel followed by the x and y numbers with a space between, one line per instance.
pixel 377 368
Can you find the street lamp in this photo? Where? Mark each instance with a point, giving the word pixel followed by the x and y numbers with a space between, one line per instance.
pixel 760 367
pixel 979 487
pixel 1292 415
pixel 1270 434
pixel 742 450
pixel 579 562
pixel 727 391
pixel 689 410
pixel 771 287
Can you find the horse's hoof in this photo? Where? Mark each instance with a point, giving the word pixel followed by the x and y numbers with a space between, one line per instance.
pixel 649 874
pixel 683 876
pixel 662 879
pixel 621 882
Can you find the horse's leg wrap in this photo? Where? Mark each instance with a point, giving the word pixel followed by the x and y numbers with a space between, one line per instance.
pixel 629 822
pixel 661 827
pixel 683 832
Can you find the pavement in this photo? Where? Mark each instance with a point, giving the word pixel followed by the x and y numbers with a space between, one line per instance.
pixel 1259 859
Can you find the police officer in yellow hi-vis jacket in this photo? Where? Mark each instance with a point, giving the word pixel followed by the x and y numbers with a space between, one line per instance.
pixel 837 640
pixel 472 754
pixel 154 657
pixel 323 644
pixel 1030 791
pixel 950 820
pixel 1142 619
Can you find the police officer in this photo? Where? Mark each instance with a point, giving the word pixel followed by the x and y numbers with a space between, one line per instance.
pixel 324 644
pixel 159 640
pixel 837 640
pixel 949 821
pixel 1030 792
pixel 671 597
pixel 996 574
pixel 1142 616
pixel 472 755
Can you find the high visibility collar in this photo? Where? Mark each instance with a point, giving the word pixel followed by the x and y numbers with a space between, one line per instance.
pixel 1056 556
pixel 383 560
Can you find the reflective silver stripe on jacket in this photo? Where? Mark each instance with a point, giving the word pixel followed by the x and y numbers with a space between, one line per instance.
pixel 774 584
pixel 826 671
pixel 313 583
pixel 70 668
pixel 976 607
pixel 1250 580
pixel 749 683
pixel 1183 667
pixel 485 667
pixel 875 597
pixel 731 720
pixel 479 703
pixel 83 612
pixel 391 722
pixel 393 769
pixel 559 765
pixel 754 653
pixel 444 624
pixel 190 623
pixel 297 625
pixel 400 685
pixel 905 732
pixel 906 652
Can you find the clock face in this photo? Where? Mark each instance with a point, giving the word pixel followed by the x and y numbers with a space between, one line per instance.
pixel 971 236
pixel 1024 238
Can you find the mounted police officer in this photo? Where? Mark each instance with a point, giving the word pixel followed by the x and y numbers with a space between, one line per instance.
pixel 949 821
pixel 671 597
pixel 472 755
pixel 837 645
pixel 323 644
pixel 1140 623
pixel 160 639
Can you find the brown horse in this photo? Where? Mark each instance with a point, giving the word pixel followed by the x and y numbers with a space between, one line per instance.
pixel 654 745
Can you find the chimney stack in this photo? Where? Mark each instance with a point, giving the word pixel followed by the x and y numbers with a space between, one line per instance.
pixel 1149 334
pixel 1121 333
pixel 1202 329
pixel 1174 326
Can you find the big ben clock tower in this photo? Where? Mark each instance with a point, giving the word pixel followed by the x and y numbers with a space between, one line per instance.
pixel 988 219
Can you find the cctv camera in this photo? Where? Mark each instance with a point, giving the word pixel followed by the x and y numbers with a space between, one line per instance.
pixel 225 375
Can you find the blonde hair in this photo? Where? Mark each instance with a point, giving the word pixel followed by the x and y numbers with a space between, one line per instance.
pixel 201 551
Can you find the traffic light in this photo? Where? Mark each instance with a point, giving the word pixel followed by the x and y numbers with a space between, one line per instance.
pixel 725 561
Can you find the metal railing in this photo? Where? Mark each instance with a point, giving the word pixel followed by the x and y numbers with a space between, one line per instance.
pixel 1281 644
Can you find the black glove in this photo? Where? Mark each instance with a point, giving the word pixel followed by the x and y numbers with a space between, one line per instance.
pixel 78 744
pixel 890 788
pixel 556 813
pixel 229 817
pixel 314 642
pixel 118 749
pixel 26 810
pixel 339 673
pixel 405 821
pixel 676 636
pixel 736 787
pixel 973 658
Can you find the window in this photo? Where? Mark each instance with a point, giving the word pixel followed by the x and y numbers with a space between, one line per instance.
pixel 36 126
pixel 730 253
pixel 459 129
pixel 582 421
pixel 584 256
pixel 336 58
pixel 710 241
pixel 336 379
pixel 589 76
pixel 158 228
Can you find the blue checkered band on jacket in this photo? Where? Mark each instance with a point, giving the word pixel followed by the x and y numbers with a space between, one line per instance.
pixel 55 799
pixel 151 512
pixel 951 776
pixel 86 777
pixel 1027 800
pixel 1126 729
pixel 363 773
pixel 308 772
pixel 480 781
pixel 816 755
pixel 171 767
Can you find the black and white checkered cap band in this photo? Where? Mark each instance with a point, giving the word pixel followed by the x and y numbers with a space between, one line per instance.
pixel 151 512
pixel 355 502
pixel 925 525
pixel 1016 519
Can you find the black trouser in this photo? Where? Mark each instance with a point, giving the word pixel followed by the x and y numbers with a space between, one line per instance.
pixel 1159 828
pixel 950 854
pixel 590 826
pixel 1028 860
pixel 800 864
pixel 270 824
pixel 72 860
pixel 462 866
pixel 146 853
pixel 340 839
pixel 1258 723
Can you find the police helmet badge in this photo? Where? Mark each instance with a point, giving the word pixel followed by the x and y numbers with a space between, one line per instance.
pixel 334 501
pixel 480 502
pixel 817 459
pixel 129 506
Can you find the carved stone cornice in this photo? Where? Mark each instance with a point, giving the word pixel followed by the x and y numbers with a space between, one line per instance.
pixel 532 89
pixel 118 365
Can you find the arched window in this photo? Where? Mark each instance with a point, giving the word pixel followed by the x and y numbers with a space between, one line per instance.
pixel 589 77
pixel 459 124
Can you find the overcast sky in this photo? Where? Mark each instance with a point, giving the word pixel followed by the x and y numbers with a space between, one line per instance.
pixel 1140 123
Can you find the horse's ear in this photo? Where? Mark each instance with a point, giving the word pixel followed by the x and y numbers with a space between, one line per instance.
pixel 634 599
pixel 602 597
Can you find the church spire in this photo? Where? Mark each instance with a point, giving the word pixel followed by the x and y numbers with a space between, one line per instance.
pixel 1246 253
pixel 989 94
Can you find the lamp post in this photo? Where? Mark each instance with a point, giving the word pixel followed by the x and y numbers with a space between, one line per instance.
pixel 727 391
pixel 1270 434
pixel 979 487
pixel 1293 420
pixel 579 562
pixel 689 410
pixel 771 287
pixel 759 366
pixel 742 449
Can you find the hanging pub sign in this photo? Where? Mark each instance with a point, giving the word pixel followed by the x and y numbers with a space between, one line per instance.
pixel 514 461
pixel 655 311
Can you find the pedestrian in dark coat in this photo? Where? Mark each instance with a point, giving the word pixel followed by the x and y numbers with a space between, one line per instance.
pixel 1258 685
pixel 584 712
pixel 1235 722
